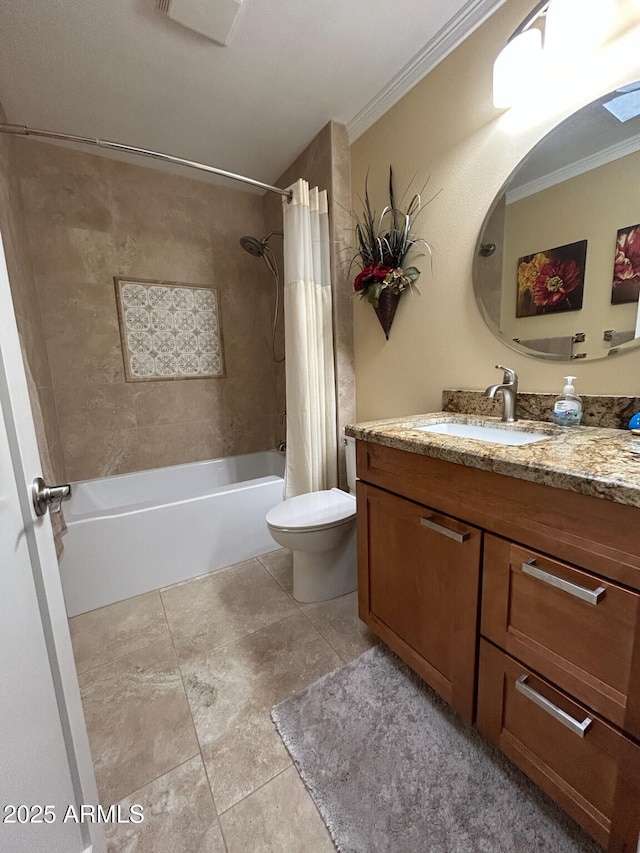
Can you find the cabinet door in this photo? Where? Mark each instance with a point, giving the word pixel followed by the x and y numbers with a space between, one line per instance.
pixel 586 765
pixel 418 578
pixel 575 628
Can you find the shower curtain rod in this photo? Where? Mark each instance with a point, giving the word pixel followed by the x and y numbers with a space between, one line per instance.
pixel 21 130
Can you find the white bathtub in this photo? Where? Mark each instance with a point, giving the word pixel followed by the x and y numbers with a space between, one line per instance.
pixel 132 533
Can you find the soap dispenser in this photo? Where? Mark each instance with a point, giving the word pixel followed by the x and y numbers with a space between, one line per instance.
pixel 567 409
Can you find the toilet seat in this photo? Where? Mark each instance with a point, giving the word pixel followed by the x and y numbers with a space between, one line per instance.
pixel 314 511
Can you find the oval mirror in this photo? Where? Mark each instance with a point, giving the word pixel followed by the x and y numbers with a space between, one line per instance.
pixel 556 271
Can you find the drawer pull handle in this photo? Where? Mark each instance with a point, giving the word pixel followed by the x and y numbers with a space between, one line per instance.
pixel 427 521
pixel 557 713
pixel 591 596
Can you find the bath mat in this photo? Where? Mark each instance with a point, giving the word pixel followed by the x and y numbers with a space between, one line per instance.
pixel 392 769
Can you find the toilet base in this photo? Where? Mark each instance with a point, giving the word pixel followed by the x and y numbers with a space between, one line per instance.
pixel 321 576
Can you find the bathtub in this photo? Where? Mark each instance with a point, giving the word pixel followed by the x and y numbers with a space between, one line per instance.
pixel 132 533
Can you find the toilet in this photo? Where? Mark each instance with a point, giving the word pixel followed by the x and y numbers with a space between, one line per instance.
pixel 320 529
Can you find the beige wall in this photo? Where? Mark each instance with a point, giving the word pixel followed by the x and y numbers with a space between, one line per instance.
pixel 447 128
pixel 91 218
pixel 590 207
pixel 325 163
pixel 25 300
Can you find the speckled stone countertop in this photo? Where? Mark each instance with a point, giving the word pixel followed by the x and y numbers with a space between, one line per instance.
pixel 591 460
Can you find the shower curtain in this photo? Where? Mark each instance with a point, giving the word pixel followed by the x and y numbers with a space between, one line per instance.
pixel 310 382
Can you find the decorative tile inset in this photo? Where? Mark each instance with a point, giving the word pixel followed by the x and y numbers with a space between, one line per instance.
pixel 169 330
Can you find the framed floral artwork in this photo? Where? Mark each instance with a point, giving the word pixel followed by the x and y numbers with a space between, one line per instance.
pixel 626 267
pixel 551 281
pixel 169 330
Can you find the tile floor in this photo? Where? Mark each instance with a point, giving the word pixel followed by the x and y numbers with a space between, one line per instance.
pixel 177 687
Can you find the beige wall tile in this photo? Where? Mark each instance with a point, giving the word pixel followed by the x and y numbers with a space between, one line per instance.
pixel 68 198
pixel 144 256
pixel 150 447
pixel 75 307
pixel 251 432
pixel 149 179
pixel 150 211
pixel 24 294
pixel 90 219
pixel 158 403
pixel 89 408
pixel 58 464
pixel 34 351
pixel 78 359
pixel 42 159
pixel 63 254
pixel 89 455
pixel 49 411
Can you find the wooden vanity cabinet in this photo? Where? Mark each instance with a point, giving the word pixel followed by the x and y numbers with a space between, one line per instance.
pixel 419 585
pixel 547 659
pixel 577 629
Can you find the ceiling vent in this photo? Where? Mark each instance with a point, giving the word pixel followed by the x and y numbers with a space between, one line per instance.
pixel 214 19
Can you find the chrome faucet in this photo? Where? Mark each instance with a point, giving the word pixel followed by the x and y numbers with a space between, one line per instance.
pixel 509 389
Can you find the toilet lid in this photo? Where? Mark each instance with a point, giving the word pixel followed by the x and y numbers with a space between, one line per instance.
pixel 312 511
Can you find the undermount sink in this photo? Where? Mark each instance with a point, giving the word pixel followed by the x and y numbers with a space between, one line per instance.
pixel 511 437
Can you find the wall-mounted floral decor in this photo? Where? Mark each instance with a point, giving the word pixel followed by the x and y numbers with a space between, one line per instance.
pixel 551 281
pixel 169 330
pixel 626 268
pixel 384 244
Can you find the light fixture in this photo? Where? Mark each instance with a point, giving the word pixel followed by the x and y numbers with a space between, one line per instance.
pixel 570 27
pixel 573 26
pixel 516 67
pixel 519 60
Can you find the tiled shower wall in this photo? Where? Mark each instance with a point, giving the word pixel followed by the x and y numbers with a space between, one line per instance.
pixel 25 301
pixel 89 219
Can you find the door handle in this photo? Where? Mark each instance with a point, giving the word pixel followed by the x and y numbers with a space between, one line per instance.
pixel 577 727
pixel 427 521
pixel 48 497
pixel 592 596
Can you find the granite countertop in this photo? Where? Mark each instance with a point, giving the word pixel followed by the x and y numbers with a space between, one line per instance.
pixel 594 461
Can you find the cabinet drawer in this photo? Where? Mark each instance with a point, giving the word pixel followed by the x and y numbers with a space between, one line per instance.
pixel 538 728
pixel 572 627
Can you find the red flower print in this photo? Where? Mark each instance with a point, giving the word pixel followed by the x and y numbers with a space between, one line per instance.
pixel 627 263
pixel 556 280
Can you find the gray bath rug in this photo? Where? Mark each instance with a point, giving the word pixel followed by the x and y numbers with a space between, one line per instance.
pixel 393 770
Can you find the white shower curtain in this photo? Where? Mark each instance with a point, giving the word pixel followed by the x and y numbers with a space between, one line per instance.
pixel 310 382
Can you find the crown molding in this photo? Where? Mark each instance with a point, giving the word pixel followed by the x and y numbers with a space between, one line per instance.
pixel 586 164
pixel 469 18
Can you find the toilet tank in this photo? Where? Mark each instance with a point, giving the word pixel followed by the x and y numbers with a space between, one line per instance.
pixel 350 454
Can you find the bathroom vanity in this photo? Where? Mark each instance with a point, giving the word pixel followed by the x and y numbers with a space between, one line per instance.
pixel 509 579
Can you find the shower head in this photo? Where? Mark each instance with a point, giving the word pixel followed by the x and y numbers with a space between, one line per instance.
pixel 256 247
pixel 252 245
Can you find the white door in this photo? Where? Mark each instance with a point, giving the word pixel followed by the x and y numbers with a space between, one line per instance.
pixel 44 751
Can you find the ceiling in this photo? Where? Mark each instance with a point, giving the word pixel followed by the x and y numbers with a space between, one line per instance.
pixel 121 70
